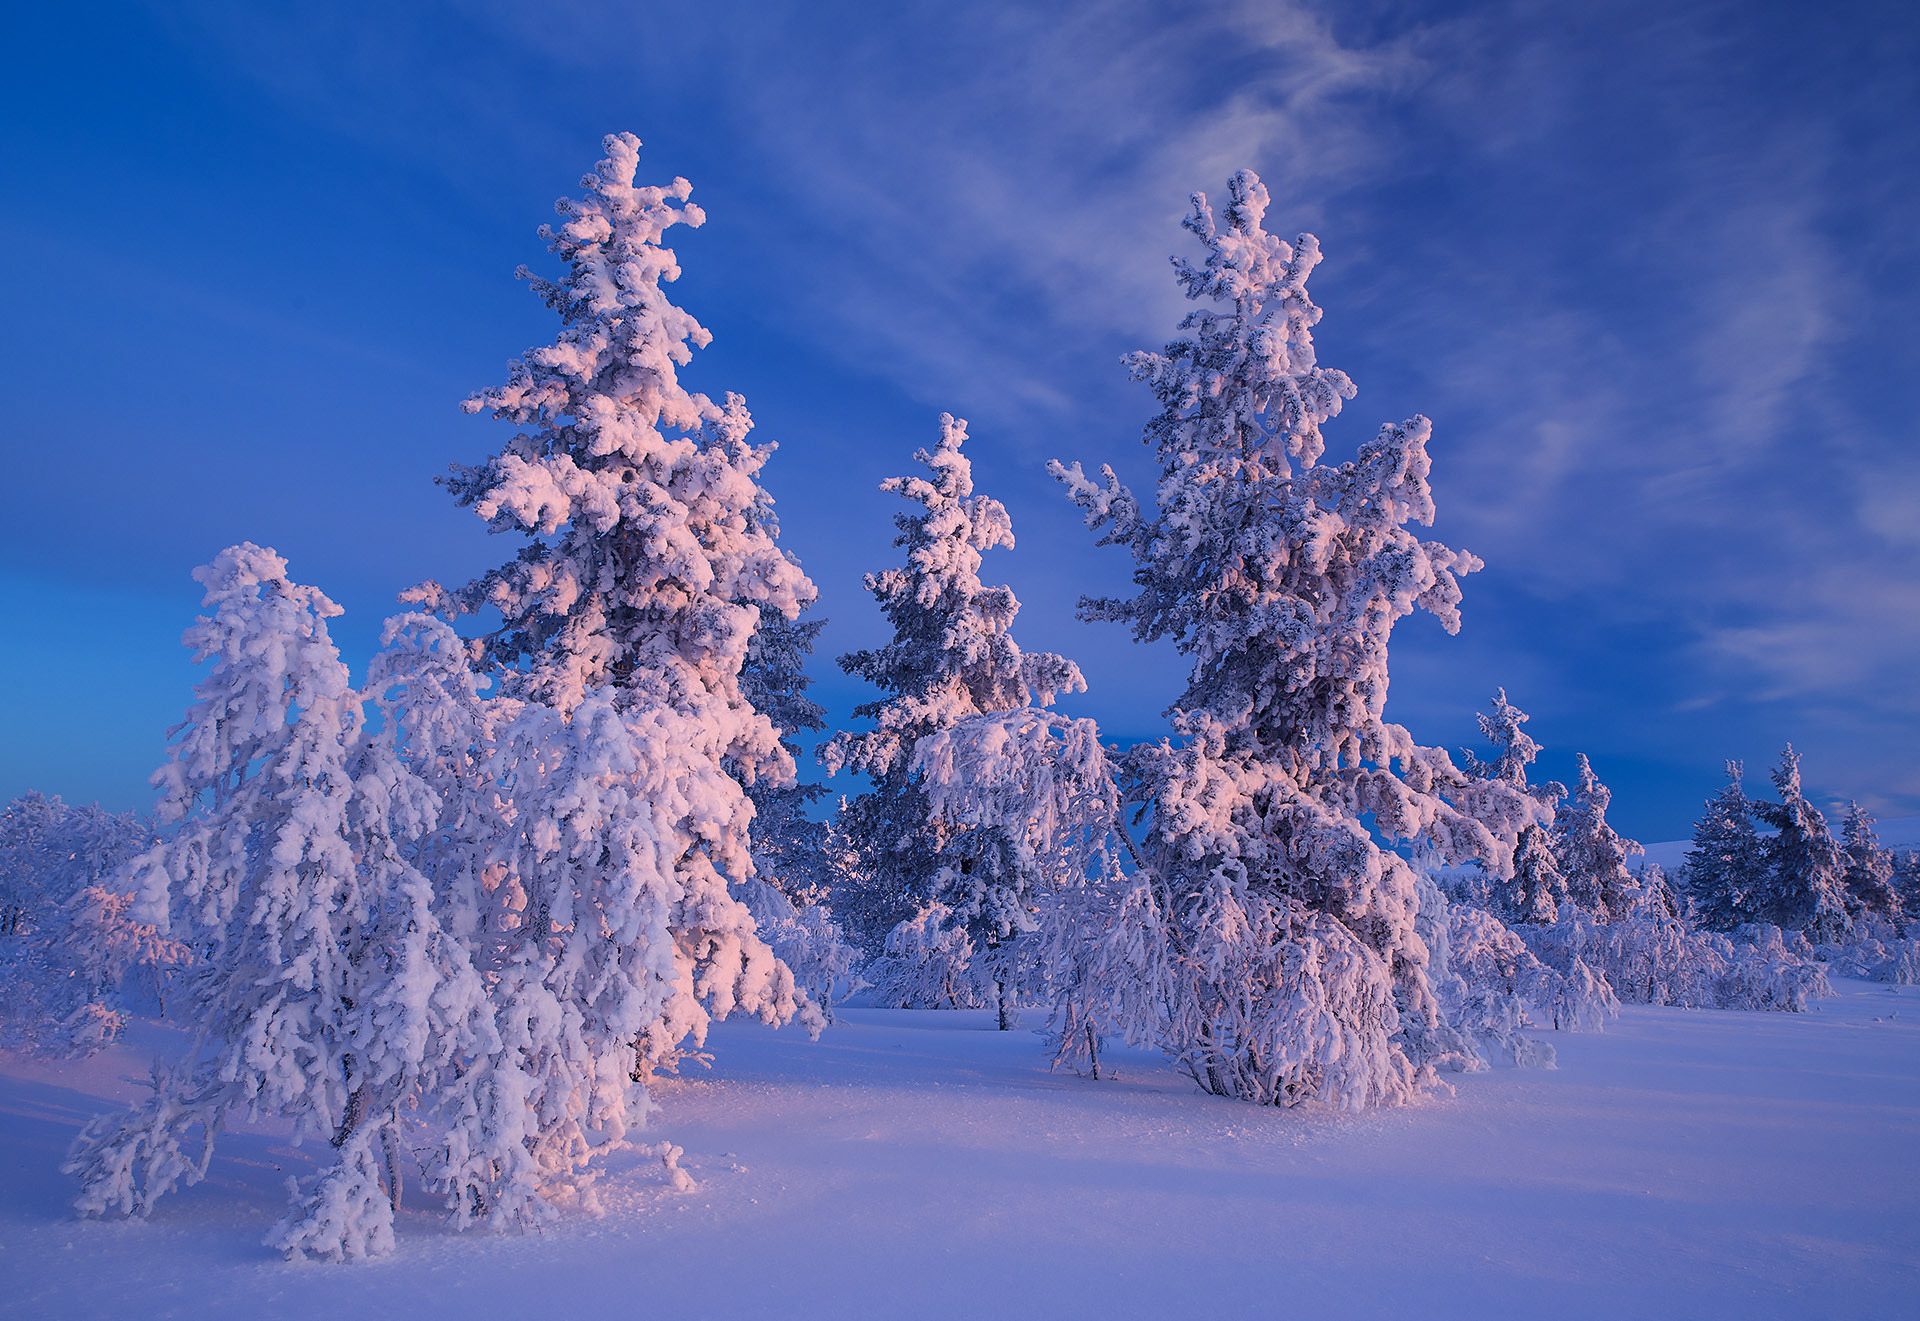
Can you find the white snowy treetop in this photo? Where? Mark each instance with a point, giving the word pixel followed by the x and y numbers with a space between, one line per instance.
pixel 1591 854
pixel 1726 866
pixel 1805 883
pixel 1513 748
pixel 652 545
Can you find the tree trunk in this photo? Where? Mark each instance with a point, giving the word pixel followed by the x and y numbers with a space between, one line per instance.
pixel 1006 1006
pixel 356 1111
pixel 1093 1051
pixel 390 1148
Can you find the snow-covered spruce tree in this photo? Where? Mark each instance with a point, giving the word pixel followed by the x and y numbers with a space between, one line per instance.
pixel 1514 750
pixel 624 624
pixel 1726 868
pixel 306 1002
pixel 1536 889
pixel 1805 879
pixel 1279 938
pixel 952 657
pixel 1591 855
pixel 1869 876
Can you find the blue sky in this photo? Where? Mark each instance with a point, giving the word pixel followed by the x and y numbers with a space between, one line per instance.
pixel 1650 267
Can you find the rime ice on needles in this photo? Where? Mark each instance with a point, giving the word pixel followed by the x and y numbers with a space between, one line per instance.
pixel 1283 935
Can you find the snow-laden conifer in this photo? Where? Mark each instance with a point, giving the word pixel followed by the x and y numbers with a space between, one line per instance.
pixel 1881 944
pixel 1279 938
pixel 1514 750
pixel 624 623
pixel 308 995
pixel 1805 879
pixel 1591 855
pixel 1535 891
pixel 1493 988
pixel 952 657
pixel 1906 880
pixel 1726 868
pixel 927 963
pixel 1869 875
pixel 1032 796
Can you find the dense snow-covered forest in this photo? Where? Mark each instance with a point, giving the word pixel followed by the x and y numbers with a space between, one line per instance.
pixel 463 922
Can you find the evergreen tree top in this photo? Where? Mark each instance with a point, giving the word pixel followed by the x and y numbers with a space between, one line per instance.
pixel 651 543
pixel 1514 750
pixel 1280 575
pixel 952 654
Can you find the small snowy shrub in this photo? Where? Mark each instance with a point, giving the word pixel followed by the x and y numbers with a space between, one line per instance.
pixel 1650 955
pixel 927 964
pixel 73 956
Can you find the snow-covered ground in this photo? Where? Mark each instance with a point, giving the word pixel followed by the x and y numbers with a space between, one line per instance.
pixel 918 1164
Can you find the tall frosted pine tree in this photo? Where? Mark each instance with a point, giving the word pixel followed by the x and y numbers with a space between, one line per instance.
pixel 1270 942
pixel 624 623
pixel 952 657
pixel 1804 887
pixel 1726 867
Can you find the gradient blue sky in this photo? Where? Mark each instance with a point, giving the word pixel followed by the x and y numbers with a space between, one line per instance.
pixel 1650 267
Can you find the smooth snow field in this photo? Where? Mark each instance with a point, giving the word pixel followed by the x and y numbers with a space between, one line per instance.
pixel 1687 1163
